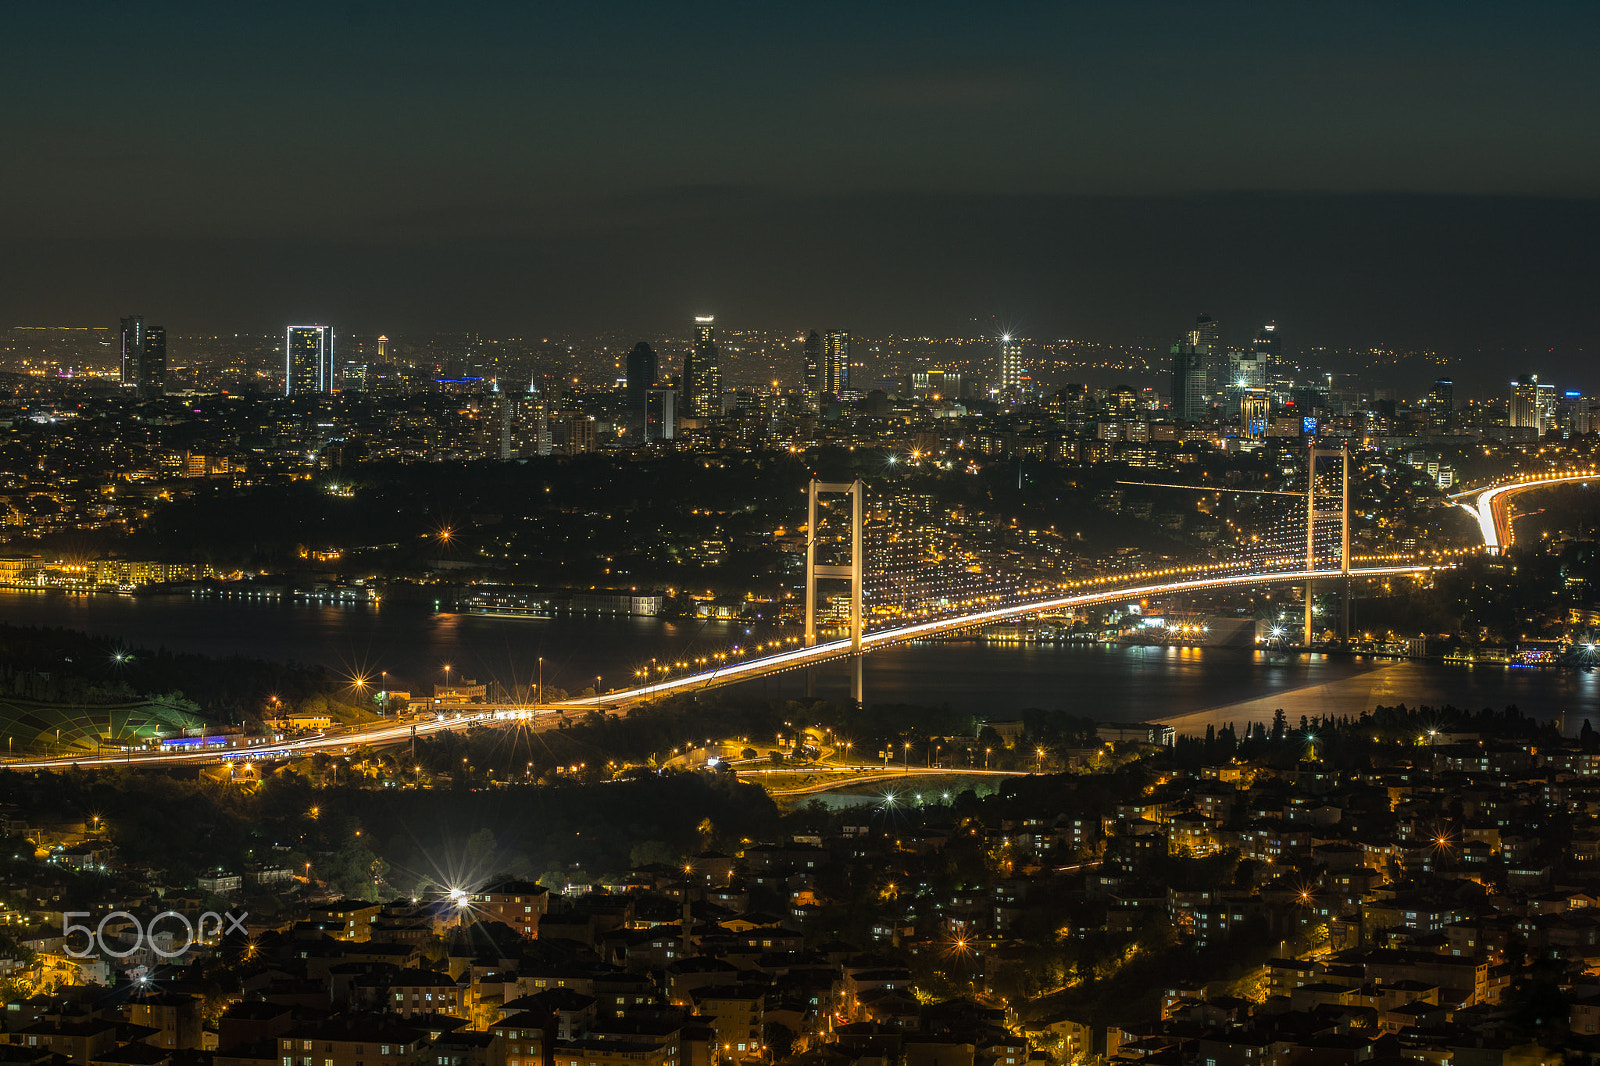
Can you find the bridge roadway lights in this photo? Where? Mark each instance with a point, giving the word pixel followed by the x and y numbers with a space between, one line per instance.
pixel 806 656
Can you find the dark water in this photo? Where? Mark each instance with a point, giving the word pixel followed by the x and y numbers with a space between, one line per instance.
pixel 1189 687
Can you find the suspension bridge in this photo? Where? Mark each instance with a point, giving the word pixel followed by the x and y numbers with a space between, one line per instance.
pixel 1281 545
pixel 917 581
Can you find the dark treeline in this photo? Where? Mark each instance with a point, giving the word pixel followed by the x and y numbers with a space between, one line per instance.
pixel 372 842
pixel 1346 741
pixel 66 666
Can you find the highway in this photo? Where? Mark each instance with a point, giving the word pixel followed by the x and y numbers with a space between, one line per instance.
pixel 374 736
pixel 876 775
pixel 1490 509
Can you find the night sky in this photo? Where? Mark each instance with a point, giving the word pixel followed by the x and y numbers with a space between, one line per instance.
pixel 1414 174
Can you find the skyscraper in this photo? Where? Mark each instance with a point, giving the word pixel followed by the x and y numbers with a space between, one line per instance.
pixel 811 387
pixel 144 356
pixel 1194 360
pixel 1533 405
pixel 307 360
pixel 353 377
pixel 1255 409
pixel 835 362
pixel 1009 379
pixel 661 418
pixel 132 348
pixel 1265 347
pixel 1247 370
pixel 702 376
pixel 642 370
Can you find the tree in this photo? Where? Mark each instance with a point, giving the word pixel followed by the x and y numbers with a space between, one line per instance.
pixel 647 852
pixel 480 849
pixel 779 1039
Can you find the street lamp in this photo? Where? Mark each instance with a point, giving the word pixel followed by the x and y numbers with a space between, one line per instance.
pixel 539 697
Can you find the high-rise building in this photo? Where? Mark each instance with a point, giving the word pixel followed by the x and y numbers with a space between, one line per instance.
pixel 1533 405
pixel 1009 355
pixel 1188 384
pixel 143 351
pixel 643 369
pixel 937 386
pixel 835 362
pixel 1071 404
pixel 702 374
pixel 383 347
pixel 1265 346
pixel 1255 411
pixel 1248 370
pixel 1442 397
pixel 131 343
pixel 661 415
pixel 153 374
pixel 1194 360
pixel 523 424
pixel 1577 414
pixel 811 384
pixel 353 376
pixel 307 360
pixel 577 434
pixel 1206 336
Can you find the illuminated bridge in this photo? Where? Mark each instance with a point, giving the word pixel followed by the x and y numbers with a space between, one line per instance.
pixel 1288 549
pixel 837 649
pixel 1306 543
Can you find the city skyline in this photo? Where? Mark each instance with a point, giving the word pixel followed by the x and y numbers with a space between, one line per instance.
pixel 1242 355
pixel 1460 136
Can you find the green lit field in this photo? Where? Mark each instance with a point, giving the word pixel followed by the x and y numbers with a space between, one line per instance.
pixel 32 728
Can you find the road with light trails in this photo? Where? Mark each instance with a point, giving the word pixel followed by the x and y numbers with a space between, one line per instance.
pixel 733 673
pixel 374 736
pixel 1490 506
pixel 884 777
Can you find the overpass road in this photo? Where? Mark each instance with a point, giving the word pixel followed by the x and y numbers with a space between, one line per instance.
pixel 1489 505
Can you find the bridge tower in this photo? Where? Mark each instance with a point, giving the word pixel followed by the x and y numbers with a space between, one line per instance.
pixel 1313 516
pixel 854 572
